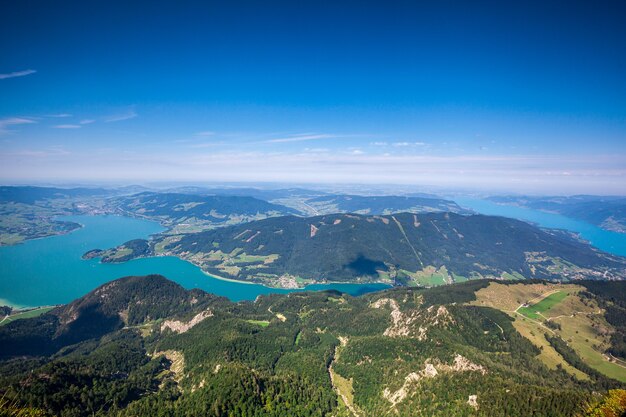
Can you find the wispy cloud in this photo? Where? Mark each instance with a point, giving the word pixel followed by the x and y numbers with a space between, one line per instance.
pixel 131 114
pixel 317 150
pixel 68 126
pixel 205 145
pixel 86 121
pixel 5 123
pixel 60 115
pixel 401 144
pixel 17 74
pixel 567 174
pixel 300 138
pixel 38 153
pixel 204 133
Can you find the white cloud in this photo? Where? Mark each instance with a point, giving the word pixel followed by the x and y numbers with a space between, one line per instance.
pixel 564 174
pixel 316 150
pixel 60 115
pixel 86 121
pixel 5 123
pixel 131 114
pixel 17 74
pixel 205 145
pixel 299 138
pixel 404 144
pixel 379 143
pixel 51 151
pixel 68 126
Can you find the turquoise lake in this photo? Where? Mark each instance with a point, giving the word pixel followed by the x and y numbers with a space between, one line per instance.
pixel 611 242
pixel 50 270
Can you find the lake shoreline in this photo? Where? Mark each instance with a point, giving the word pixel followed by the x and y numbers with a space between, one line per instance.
pixel 52 272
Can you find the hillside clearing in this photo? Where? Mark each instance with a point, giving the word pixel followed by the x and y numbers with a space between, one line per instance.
pixel 25 314
pixel 582 323
pixel 536 310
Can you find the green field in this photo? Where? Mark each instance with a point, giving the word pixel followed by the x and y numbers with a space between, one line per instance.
pixel 512 276
pixel 459 278
pixel 25 315
pixel 535 311
pixel 262 323
pixel 429 276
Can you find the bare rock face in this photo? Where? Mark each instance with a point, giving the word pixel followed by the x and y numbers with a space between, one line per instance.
pixel 472 401
pixel 413 322
pixel 181 327
pixel 431 370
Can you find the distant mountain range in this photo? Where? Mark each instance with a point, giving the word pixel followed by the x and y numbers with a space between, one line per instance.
pixel 382 204
pixel 189 212
pixel 401 249
pixel 31 195
pixel 314 202
pixel 260 193
pixel 144 346
pixel 607 212
pixel 30 212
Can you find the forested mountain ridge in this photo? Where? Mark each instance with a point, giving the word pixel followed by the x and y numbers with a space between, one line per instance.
pixel 315 202
pixel 329 204
pixel 124 302
pixel 31 195
pixel 401 249
pixel 190 213
pixel 408 352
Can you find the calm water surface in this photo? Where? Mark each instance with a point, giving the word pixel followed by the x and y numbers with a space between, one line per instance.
pixel 50 270
pixel 611 242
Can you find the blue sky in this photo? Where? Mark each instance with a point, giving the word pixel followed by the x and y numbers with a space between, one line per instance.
pixel 505 96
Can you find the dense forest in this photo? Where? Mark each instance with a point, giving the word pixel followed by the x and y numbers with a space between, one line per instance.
pixel 145 346
pixel 612 298
pixel 387 204
pixel 401 249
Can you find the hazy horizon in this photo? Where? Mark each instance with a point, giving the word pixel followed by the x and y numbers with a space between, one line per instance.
pixel 503 98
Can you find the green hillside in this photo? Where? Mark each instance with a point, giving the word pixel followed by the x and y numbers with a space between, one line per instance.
pixel 192 213
pixel 330 204
pixel 401 249
pixel 145 346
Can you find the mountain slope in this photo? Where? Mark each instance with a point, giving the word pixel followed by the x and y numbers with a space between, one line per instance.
pixel 382 204
pixel 188 212
pixel 408 352
pixel 404 248
pixel 128 301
